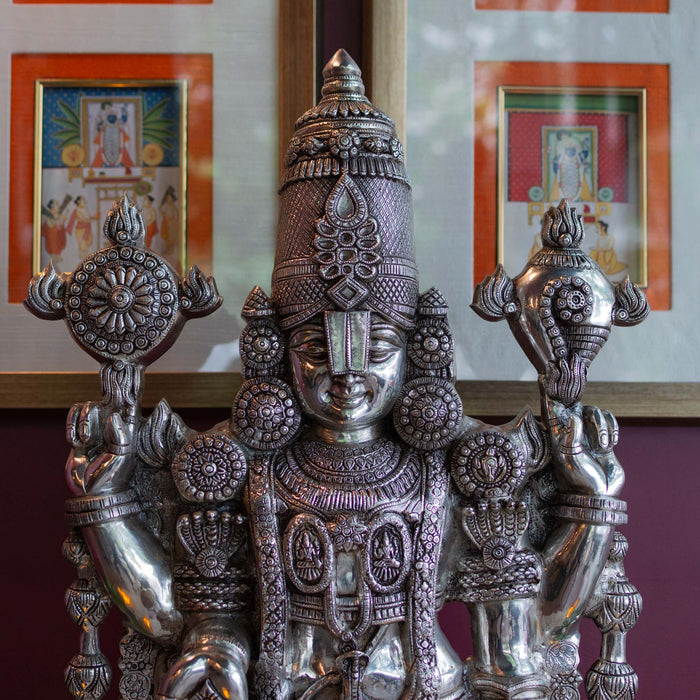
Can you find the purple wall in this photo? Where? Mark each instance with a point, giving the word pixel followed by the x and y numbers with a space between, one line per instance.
pixel 38 638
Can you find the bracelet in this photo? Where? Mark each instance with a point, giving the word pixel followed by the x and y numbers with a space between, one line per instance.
pixel 594 516
pixel 598 502
pixel 92 510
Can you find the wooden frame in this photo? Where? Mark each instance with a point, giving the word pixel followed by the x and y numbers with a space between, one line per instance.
pixel 297 89
pixel 489 76
pixel 30 70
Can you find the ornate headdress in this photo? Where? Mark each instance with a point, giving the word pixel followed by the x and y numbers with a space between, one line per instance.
pixel 345 238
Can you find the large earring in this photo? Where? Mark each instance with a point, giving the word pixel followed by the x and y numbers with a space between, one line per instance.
pixel 265 411
pixel 428 413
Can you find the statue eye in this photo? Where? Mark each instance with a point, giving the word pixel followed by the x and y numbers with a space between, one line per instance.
pixel 311 346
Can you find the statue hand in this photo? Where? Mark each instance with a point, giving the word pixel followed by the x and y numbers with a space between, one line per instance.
pixel 583 438
pixel 212 654
pixel 103 449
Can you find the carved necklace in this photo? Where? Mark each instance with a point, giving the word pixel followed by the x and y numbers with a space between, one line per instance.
pixel 330 478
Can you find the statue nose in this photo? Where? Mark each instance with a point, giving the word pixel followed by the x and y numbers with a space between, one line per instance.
pixel 349 379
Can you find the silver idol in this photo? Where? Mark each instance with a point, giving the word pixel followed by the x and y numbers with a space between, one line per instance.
pixel 303 548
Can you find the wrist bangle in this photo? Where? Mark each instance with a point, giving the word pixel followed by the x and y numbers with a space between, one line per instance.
pixel 598 502
pixel 593 516
pixel 92 510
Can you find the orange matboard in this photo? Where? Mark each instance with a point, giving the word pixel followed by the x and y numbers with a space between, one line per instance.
pixel 27 68
pixel 489 75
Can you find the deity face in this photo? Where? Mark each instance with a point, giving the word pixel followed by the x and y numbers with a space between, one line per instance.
pixel 351 400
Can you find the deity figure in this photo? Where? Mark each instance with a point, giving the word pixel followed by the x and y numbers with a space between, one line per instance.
pixel 112 137
pixel 303 548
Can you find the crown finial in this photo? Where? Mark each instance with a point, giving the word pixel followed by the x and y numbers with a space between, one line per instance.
pixel 342 75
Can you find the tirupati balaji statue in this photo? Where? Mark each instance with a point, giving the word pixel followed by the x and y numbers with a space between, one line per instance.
pixel 303 547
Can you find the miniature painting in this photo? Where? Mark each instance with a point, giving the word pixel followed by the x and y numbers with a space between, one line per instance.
pixel 96 140
pixel 582 145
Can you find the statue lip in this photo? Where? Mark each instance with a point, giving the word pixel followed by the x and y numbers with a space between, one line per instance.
pixel 349 399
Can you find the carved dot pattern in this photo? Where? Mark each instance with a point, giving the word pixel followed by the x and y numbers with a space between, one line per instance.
pixel 431 346
pixel 122 302
pixel 209 468
pixel 428 413
pixel 566 300
pixel 262 346
pixel 487 465
pixel 267 414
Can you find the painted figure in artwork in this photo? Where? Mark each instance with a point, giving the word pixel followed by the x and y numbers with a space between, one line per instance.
pixel 53 227
pixel 150 218
pixel 571 166
pixel 112 137
pixel 170 221
pixel 80 225
pixel 604 252
pixel 303 547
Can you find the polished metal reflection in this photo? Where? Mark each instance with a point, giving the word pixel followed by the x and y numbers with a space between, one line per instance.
pixel 303 548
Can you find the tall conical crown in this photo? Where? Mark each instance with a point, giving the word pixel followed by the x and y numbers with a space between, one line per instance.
pixel 345 237
pixel 344 128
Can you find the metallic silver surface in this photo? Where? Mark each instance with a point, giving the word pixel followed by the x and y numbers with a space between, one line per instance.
pixel 303 548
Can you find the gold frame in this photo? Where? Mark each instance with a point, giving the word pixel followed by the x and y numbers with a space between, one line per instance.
pixel 640 93
pixel 39 87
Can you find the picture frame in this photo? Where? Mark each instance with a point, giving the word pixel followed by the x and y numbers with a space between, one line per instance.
pixel 648 84
pixel 660 6
pixel 296 88
pixel 629 399
pixel 35 74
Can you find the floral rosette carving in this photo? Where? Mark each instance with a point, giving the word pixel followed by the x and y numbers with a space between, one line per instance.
pixel 266 414
pixel 428 413
pixel 262 346
pixel 344 143
pixel 209 468
pixel 122 302
pixel 431 346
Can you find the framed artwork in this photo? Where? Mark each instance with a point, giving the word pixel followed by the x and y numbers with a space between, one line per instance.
pixel 78 143
pixel 94 140
pixel 576 5
pixel 136 84
pixel 587 145
pixel 594 133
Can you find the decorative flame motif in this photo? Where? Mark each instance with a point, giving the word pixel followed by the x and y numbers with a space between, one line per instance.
pixel 198 294
pixel 495 297
pixel 631 306
pixel 46 293
pixel 563 227
pixel 124 223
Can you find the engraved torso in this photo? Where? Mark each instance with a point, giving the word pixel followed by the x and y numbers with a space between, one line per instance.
pixel 349 516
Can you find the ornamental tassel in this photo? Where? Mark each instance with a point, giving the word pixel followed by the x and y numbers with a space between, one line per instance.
pixel 618 611
pixel 88 674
